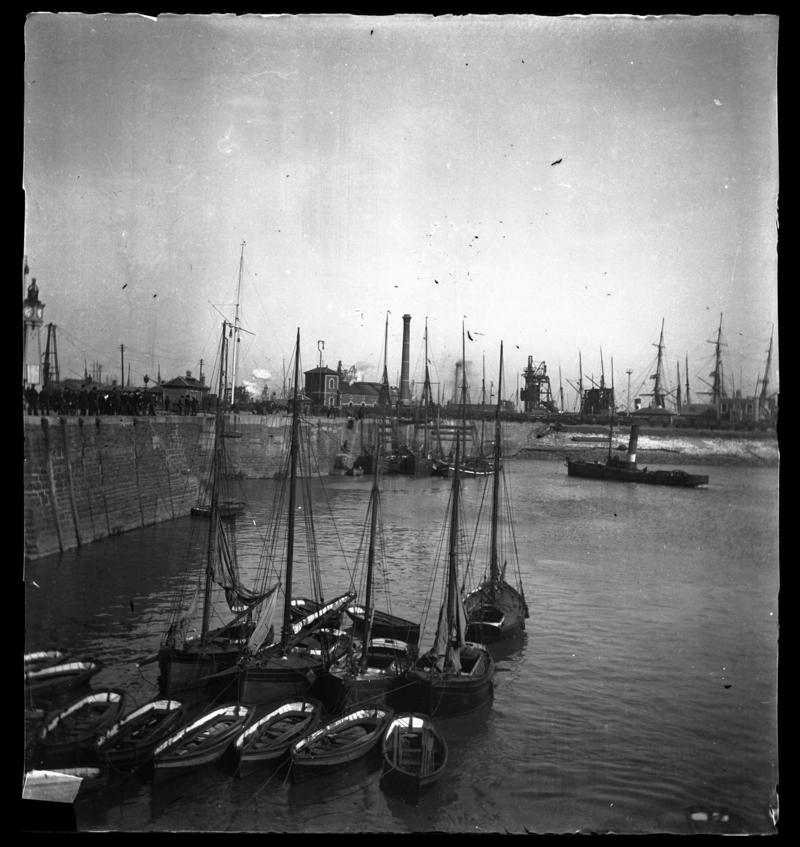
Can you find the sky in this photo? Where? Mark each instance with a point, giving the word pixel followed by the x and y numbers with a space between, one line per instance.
pixel 565 185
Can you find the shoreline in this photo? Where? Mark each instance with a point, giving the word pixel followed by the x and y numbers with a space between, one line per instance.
pixel 674 449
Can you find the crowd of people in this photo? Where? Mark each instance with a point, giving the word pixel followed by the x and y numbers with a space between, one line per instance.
pixel 91 400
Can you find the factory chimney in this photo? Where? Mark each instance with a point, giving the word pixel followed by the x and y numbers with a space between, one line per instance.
pixel 405 394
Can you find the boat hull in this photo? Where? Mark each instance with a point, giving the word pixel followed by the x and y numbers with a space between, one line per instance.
pixel 617 473
pixel 278 678
pixel 203 741
pixel 130 742
pixel 495 611
pixel 414 753
pixel 383 625
pixel 266 742
pixel 429 691
pixel 54 679
pixel 347 739
pixel 70 734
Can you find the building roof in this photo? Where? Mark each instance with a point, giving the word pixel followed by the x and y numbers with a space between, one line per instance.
pixel 324 369
pixel 186 383
pixel 363 389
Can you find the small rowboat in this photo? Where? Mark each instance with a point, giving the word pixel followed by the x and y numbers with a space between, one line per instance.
pixel 414 752
pixel 340 742
pixel 61 785
pixel 57 678
pixel 71 733
pixel 131 740
pixel 42 658
pixel 203 741
pixel 267 740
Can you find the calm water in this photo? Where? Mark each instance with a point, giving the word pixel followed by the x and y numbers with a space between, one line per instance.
pixel 646 684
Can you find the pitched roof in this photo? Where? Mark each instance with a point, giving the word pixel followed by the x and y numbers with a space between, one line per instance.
pixel 185 382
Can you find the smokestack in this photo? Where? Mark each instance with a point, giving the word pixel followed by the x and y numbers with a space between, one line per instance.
pixel 405 394
pixel 632 442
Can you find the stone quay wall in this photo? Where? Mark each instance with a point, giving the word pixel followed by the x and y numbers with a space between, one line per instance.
pixel 89 478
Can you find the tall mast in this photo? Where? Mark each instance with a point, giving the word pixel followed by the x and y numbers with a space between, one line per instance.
pixel 762 398
pixel 580 383
pixel 453 597
pixel 385 395
pixel 213 518
pixel 658 391
pixel 293 452
pixel 718 386
pixel 678 395
pixel 373 529
pixel 235 367
pixel 686 368
pixel 560 386
pixel 426 395
pixel 494 568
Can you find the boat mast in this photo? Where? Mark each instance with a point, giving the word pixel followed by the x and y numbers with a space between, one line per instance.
pixel 610 398
pixel 658 391
pixel 293 452
pixel 718 386
pixel 426 395
pixel 453 597
pixel 385 394
pixel 213 517
pixel 234 369
pixel 494 568
pixel 686 368
pixel 762 397
pixel 373 530
pixel 678 395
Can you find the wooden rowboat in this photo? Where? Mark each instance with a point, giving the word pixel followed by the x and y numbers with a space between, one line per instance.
pixel 267 740
pixel 131 740
pixel 203 741
pixel 39 659
pixel 340 742
pixel 52 679
pixel 71 733
pixel 414 752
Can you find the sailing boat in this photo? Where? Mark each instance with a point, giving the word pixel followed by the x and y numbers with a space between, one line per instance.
pixel 388 642
pixel 229 507
pixel 187 664
pixel 476 464
pixel 496 609
pixel 306 648
pixel 438 461
pixel 455 675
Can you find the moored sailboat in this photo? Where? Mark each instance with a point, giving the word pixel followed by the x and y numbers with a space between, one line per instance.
pixel 369 669
pixel 495 608
pixel 455 675
pixel 189 665
pixel 288 667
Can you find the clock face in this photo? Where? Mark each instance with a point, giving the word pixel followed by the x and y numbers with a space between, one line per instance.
pixel 28 312
pixel 38 311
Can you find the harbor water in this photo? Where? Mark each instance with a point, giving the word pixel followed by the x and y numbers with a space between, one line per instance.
pixel 642 698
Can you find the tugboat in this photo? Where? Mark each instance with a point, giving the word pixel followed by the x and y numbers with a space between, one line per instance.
pixel 619 469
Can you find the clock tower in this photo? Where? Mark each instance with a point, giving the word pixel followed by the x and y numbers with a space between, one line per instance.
pixel 32 319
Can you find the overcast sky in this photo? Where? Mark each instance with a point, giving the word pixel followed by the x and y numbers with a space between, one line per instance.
pixel 562 184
